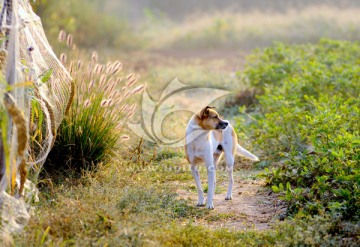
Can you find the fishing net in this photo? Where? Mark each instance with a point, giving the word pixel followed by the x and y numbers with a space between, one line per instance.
pixel 36 91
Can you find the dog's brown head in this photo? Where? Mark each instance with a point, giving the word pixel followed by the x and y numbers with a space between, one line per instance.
pixel 209 119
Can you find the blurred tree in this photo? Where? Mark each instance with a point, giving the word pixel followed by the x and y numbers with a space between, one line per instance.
pixel 85 19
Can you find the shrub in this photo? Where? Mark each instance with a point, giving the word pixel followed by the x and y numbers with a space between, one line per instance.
pixel 309 120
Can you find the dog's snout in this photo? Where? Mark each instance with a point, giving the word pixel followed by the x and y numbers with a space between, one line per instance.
pixel 222 125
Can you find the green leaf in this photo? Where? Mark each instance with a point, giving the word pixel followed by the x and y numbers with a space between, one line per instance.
pixel 335 153
pixel 288 186
pixel 275 189
pixel 281 187
pixel 355 143
pixel 46 75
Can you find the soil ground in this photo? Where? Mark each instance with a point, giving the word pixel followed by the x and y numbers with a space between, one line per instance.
pixel 253 205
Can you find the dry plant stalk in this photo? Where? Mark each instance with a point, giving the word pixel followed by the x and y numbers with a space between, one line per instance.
pixel 71 98
pixel 23 175
pixel 19 121
pixel 49 108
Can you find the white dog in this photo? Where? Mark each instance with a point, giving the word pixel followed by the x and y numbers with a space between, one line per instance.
pixel 207 138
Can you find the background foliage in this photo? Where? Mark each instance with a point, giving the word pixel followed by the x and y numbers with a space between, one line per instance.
pixel 84 18
pixel 308 121
pixel 226 25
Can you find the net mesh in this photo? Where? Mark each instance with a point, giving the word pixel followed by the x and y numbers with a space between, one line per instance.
pixel 39 95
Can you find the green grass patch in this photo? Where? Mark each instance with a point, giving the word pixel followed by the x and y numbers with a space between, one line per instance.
pixel 117 207
pixel 161 201
pixel 169 153
pixel 222 216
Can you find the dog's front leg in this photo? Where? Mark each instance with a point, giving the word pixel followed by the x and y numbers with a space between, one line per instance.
pixel 216 162
pixel 229 159
pixel 211 181
pixel 195 173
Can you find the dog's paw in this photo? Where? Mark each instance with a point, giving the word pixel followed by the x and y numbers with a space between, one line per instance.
pixel 200 204
pixel 227 198
pixel 210 206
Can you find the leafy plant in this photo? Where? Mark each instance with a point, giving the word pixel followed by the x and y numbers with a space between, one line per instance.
pixel 309 123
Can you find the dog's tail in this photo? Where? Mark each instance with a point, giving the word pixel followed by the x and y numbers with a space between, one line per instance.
pixel 243 152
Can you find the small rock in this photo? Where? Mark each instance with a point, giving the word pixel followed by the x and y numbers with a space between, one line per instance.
pixel 14 215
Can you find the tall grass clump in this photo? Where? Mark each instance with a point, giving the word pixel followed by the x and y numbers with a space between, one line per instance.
pixel 94 123
pixel 308 121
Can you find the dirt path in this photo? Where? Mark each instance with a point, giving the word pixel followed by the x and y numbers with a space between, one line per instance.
pixel 253 206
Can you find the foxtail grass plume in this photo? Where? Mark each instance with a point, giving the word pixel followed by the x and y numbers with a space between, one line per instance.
pixel 69 41
pixel 94 57
pixel 102 80
pixel 62 36
pixel 101 108
pixel 131 82
pixel 63 59
pixel 91 84
pixel 87 103
pixel 103 103
pixel 79 64
pixel 138 89
pixel 129 76
pixel 125 137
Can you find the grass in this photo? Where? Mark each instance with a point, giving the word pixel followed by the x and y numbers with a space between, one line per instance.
pixel 94 125
pixel 231 30
pixel 113 201
pixel 225 30
pixel 119 207
pixel 222 216
pixel 132 201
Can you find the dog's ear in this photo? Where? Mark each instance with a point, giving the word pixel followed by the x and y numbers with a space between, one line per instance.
pixel 204 113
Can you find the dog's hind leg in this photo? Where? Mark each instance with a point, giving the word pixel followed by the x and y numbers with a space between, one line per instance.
pixel 209 161
pixel 195 173
pixel 229 159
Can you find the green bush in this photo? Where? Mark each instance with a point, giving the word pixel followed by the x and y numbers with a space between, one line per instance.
pixel 308 119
